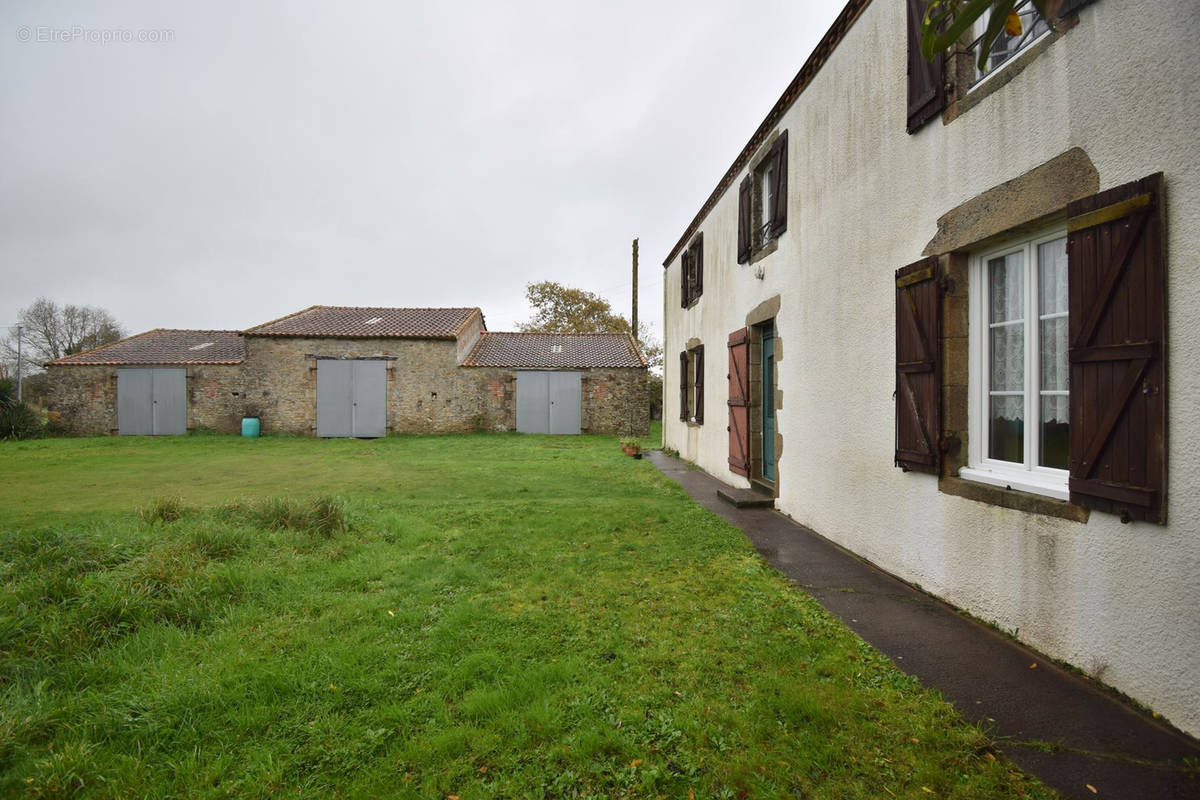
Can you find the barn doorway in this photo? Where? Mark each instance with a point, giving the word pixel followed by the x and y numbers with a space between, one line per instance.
pixel 151 402
pixel 549 402
pixel 351 398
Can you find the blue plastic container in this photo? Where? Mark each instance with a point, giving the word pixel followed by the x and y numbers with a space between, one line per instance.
pixel 250 426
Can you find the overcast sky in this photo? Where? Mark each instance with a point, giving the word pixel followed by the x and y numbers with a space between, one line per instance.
pixel 262 157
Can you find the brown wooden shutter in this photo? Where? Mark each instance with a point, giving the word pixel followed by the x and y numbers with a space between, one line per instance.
pixel 745 222
pixel 918 366
pixel 926 79
pixel 683 386
pixel 1117 289
pixel 685 278
pixel 698 266
pixel 1071 6
pixel 739 401
pixel 698 354
pixel 780 189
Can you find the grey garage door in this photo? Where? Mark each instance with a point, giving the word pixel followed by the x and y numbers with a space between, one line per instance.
pixel 549 402
pixel 351 398
pixel 151 402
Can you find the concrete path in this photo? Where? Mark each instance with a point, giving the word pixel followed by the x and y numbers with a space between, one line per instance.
pixel 1052 723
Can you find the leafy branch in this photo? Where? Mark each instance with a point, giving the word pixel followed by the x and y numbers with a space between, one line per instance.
pixel 946 20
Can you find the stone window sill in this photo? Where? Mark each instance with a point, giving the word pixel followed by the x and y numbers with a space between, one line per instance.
pixel 1012 498
pixel 974 95
pixel 763 252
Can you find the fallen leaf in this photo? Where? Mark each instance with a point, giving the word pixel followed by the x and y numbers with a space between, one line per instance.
pixel 407 777
pixel 637 762
pixel 391 613
pixel 451 797
pixel 483 768
pixel 926 789
pixel 1091 788
pixel 691 794
pixel 1033 665
pixel 332 688
pixel 679 694
pixel 915 740
pixel 989 756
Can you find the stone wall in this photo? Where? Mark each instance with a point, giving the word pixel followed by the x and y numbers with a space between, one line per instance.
pixel 427 391
pixel 83 399
pixel 615 401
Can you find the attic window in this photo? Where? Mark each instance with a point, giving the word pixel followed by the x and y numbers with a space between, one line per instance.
pixel 556 348
pixel 374 321
pixel 201 346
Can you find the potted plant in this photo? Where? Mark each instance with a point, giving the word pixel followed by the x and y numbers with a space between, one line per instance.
pixel 632 447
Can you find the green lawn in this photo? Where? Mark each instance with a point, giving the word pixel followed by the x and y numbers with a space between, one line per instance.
pixel 503 616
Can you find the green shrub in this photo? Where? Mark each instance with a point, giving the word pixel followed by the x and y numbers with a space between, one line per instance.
pixel 17 419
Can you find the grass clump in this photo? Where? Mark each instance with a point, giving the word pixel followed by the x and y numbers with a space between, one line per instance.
pixel 323 516
pixel 165 510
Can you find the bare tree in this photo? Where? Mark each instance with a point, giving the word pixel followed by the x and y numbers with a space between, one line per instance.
pixel 52 331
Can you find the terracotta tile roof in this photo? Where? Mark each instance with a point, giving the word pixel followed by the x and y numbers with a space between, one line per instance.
pixel 551 350
pixel 369 322
pixel 164 346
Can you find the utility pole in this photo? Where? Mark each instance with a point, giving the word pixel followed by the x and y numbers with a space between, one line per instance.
pixel 20 328
pixel 633 320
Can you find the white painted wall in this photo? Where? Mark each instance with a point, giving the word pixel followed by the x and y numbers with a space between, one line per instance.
pixel 864 200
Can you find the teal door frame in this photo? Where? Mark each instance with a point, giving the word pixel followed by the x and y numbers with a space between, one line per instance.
pixel 768 401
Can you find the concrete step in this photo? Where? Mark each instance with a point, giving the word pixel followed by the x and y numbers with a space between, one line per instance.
pixel 746 498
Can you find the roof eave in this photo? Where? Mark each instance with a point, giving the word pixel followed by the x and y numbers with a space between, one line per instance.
pixel 829 42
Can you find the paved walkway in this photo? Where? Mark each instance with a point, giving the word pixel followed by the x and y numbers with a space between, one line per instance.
pixel 1052 723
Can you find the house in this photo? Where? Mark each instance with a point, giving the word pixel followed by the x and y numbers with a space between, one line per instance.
pixel 334 371
pixel 932 309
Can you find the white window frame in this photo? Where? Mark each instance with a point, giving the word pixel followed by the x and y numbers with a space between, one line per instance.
pixel 1029 16
pixel 1029 476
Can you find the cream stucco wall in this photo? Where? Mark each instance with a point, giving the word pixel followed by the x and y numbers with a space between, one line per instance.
pixel 864 197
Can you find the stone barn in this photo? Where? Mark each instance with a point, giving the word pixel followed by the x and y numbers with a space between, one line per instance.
pixel 158 382
pixel 337 371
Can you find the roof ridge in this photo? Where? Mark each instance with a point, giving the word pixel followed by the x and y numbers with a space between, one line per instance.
pixel 556 333
pixel 280 319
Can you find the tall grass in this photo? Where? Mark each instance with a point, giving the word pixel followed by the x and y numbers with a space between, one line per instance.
pixel 565 623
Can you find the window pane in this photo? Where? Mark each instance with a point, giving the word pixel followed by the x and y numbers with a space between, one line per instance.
pixel 1008 358
pixel 1052 275
pixel 1053 353
pixel 1008 429
pixel 767 185
pixel 1006 287
pixel 1055 431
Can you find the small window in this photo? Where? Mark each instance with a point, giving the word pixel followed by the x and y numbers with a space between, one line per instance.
pixel 201 346
pixel 691 385
pixel 762 202
pixel 1032 27
pixel 374 321
pixel 1020 408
